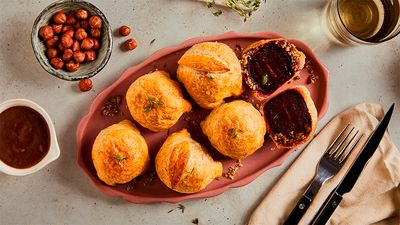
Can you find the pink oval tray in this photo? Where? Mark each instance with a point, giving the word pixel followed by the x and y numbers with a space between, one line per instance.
pixel 143 191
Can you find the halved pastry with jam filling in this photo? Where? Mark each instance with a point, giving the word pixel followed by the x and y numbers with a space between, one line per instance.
pixel 155 101
pixel 291 117
pixel 269 64
pixel 184 165
pixel 120 153
pixel 236 129
pixel 210 72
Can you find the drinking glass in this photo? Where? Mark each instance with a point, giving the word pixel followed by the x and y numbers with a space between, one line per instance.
pixel 356 22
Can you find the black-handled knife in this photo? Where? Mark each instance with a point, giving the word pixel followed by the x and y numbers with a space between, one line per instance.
pixel 347 183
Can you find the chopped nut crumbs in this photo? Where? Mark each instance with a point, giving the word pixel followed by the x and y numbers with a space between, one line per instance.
pixel 131 185
pixel 150 176
pixel 195 221
pixel 111 106
pixel 312 78
pixel 232 170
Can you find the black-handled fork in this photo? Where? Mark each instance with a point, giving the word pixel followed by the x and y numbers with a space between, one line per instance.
pixel 329 165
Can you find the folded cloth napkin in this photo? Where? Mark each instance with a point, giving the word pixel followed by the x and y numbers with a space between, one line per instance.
pixel 374 199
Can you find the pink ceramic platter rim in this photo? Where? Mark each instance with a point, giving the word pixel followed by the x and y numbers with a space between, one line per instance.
pixel 263 159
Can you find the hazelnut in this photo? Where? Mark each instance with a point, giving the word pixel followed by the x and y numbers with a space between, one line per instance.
pixel 76 26
pixel 96 44
pixel 76 46
pixel 90 55
pixel 96 33
pixel 130 44
pixel 66 41
pixel 84 24
pixel 87 43
pixel 61 47
pixel 57 63
pixel 70 19
pixel 69 33
pixel 80 34
pixel 124 30
pixel 51 53
pixel 72 66
pixel 57 28
pixel 95 22
pixel 79 56
pixel 81 14
pixel 67 28
pixel 52 42
pixel 85 85
pixel 46 32
pixel 59 18
pixel 67 56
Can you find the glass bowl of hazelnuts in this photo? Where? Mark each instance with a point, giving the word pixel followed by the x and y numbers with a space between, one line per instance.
pixel 72 39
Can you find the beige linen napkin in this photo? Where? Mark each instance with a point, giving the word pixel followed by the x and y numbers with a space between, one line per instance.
pixel 374 199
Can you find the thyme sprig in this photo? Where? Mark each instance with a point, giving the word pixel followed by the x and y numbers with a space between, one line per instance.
pixel 245 8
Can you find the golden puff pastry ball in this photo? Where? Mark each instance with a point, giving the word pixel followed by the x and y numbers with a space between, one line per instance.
pixel 184 165
pixel 155 101
pixel 120 153
pixel 236 129
pixel 210 72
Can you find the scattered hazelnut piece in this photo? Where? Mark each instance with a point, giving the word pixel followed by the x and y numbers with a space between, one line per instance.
pixel 124 30
pixel 80 34
pixel 130 44
pixel 79 56
pixel 90 55
pixel 70 19
pixel 57 28
pixel 95 22
pixel 94 32
pixel 76 46
pixel 85 85
pixel 52 42
pixel 87 43
pixel 59 18
pixel 84 24
pixel 57 63
pixel 66 40
pixel 72 66
pixel 51 53
pixel 96 44
pixel 67 55
pixel 81 14
pixel 46 32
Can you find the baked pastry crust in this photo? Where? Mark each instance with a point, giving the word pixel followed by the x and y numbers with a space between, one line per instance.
pixel 293 139
pixel 155 101
pixel 184 165
pixel 120 153
pixel 236 129
pixel 210 72
pixel 270 53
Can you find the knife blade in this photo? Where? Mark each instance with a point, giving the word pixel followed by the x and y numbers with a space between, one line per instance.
pixel 348 181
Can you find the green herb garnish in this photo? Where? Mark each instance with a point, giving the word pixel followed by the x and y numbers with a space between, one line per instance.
pixel 119 158
pixel 211 77
pixel 152 41
pixel 151 104
pixel 181 207
pixel 265 79
pixel 195 221
pixel 244 8
pixel 232 131
pixel 217 13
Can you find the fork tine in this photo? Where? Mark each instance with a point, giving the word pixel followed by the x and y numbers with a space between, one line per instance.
pixel 351 149
pixel 336 139
pixel 339 154
pixel 341 143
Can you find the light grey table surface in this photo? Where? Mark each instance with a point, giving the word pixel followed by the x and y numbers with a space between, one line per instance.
pixel 61 193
